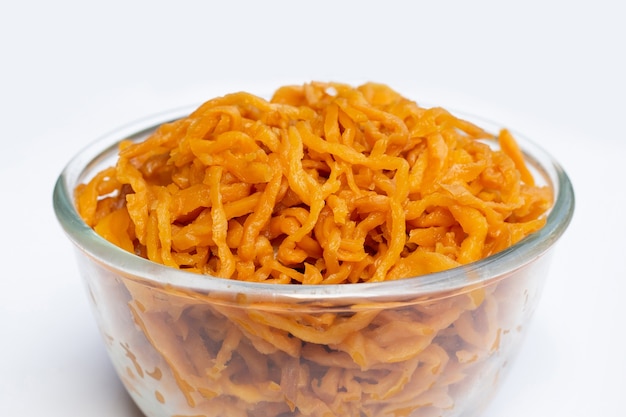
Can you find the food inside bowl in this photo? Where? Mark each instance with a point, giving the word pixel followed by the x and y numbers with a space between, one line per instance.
pixel 323 185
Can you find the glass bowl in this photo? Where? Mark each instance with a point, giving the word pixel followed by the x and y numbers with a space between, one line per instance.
pixel 185 344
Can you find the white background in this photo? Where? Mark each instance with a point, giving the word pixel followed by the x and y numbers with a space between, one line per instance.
pixel 71 71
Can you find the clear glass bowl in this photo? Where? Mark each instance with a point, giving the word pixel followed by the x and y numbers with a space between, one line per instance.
pixel 190 345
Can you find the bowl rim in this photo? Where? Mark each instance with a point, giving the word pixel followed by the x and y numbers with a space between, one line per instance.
pixel 467 276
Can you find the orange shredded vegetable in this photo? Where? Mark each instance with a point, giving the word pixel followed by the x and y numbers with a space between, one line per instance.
pixel 324 184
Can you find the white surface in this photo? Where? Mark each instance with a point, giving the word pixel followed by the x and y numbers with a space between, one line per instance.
pixel 72 71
